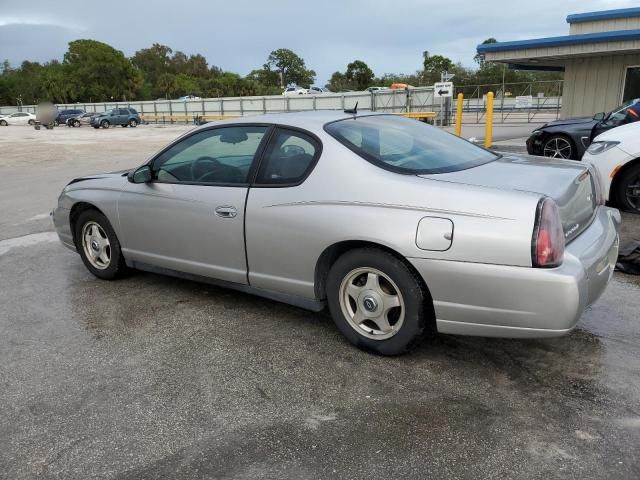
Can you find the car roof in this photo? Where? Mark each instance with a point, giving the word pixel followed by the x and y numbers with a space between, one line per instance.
pixel 309 120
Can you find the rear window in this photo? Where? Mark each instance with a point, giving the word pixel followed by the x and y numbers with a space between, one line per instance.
pixel 407 146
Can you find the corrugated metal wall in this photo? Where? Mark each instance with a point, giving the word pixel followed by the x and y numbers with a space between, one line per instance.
pixel 630 23
pixel 594 84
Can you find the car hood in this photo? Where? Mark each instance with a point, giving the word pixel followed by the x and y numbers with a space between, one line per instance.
pixel 101 176
pixel 571 121
pixel 567 182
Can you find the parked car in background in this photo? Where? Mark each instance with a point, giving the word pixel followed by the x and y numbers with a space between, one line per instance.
pixel 82 119
pixel 126 117
pixel 313 90
pixel 442 236
pixel 616 155
pixel 569 138
pixel 189 97
pixel 290 91
pixel 376 89
pixel 18 118
pixel 65 115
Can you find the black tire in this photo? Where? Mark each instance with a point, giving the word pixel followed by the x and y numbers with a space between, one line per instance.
pixel 624 189
pixel 117 266
pixel 419 319
pixel 31 122
pixel 105 124
pixel 76 123
pixel 133 123
pixel 562 143
pixel 3 123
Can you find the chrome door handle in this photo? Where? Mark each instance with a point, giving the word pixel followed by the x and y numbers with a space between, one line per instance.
pixel 226 211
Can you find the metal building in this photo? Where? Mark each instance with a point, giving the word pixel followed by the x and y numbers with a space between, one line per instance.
pixel 600 58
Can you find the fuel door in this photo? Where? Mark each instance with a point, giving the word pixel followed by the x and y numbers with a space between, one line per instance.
pixel 434 233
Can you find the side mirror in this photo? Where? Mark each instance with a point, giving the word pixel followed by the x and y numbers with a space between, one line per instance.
pixel 140 175
pixel 599 116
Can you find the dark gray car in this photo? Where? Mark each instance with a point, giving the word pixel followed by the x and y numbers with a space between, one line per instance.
pixel 570 138
pixel 126 117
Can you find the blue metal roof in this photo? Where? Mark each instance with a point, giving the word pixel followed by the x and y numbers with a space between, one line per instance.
pixel 604 15
pixel 599 37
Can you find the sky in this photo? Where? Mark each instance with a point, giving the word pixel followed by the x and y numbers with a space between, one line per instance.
pixel 237 35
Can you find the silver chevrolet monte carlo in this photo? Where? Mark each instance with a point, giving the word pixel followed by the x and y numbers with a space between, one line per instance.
pixel 404 230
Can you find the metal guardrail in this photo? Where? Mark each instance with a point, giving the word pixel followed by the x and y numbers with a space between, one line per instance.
pixel 419 99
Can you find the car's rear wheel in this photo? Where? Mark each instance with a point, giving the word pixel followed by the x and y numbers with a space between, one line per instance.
pixel 105 124
pixel 378 302
pixel 628 190
pixel 133 123
pixel 3 123
pixel 558 146
pixel 31 122
pixel 99 246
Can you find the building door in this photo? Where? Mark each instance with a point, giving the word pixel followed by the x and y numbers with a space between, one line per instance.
pixel 631 84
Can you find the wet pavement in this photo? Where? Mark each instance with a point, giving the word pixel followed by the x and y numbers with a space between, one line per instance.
pixel 152 377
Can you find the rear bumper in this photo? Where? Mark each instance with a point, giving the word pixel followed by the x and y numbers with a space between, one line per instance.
pixel 521 302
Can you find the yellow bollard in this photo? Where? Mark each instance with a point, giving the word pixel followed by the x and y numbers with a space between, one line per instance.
pixel 459 105
pixel 488 131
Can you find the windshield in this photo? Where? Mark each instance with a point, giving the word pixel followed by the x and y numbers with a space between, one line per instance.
pixel 627 112
pixel 407 146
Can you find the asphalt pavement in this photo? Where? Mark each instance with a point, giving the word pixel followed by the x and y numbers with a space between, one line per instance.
pixel 152 377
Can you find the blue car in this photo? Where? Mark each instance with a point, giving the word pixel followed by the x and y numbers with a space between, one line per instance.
pixel 126 117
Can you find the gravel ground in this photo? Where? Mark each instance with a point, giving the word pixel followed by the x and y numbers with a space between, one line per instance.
pixel 153 377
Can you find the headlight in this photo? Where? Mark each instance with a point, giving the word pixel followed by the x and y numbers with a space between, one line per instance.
pixel 536 132
pixel 597 148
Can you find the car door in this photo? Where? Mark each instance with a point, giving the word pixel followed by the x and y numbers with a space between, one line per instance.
pixel 19 118
pixel 190 217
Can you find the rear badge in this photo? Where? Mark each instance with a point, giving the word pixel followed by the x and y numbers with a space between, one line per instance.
pixel 571 230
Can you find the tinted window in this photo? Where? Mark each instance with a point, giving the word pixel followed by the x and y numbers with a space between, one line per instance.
pixel 221 155
pixel 124 111
pixel 288 158
pixel 133 111
pixel 407 146
pixel 626 113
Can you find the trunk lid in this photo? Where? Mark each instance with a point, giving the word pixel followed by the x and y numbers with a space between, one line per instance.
pixel 568 183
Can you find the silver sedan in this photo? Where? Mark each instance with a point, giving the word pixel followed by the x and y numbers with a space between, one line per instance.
pixel 402 229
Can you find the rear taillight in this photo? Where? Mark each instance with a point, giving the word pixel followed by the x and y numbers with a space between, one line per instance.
pixel 547 246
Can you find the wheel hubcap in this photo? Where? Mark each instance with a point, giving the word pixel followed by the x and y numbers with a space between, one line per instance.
pixel 96 246
pixel 372 303
pixel 557 148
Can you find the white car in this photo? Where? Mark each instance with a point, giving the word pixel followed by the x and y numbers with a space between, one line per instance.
pixel 313 90
pixel 616 155
pixel 18 118
pixel 291 91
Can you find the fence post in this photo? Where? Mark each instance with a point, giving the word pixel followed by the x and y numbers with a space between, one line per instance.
pixel 222 107
pixel 488 131
pixel 241 107
pixel 264 104
pixel 342 101
pixel 171 111
pixel 373 100
pixel 186 114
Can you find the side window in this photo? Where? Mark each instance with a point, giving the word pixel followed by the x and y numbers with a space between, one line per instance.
pixel 124 111
pixel 220 155
pixel 288 158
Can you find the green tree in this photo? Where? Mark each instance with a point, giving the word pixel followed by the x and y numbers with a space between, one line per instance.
pixel 290 67
pixel 359 74
pixel 339 82
pixel 98 72
pixel 434 65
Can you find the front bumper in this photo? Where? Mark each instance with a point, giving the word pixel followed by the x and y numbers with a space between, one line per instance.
pixel 60 216
pixel 534 144
pixel 524 302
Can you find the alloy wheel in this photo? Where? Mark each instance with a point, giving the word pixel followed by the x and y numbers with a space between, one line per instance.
pixel 372 303
pixel 633 193
pixel 96 246
pixel 557 147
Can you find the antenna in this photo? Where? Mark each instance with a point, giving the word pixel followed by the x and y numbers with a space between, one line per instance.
pixel 353 110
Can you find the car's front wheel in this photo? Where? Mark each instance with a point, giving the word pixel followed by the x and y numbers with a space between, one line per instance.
pixel 378 302
pixel 99 246
pixel 628 190
pixel 104 124
pixel 3 123
pixel 558 146
pixel 76 123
